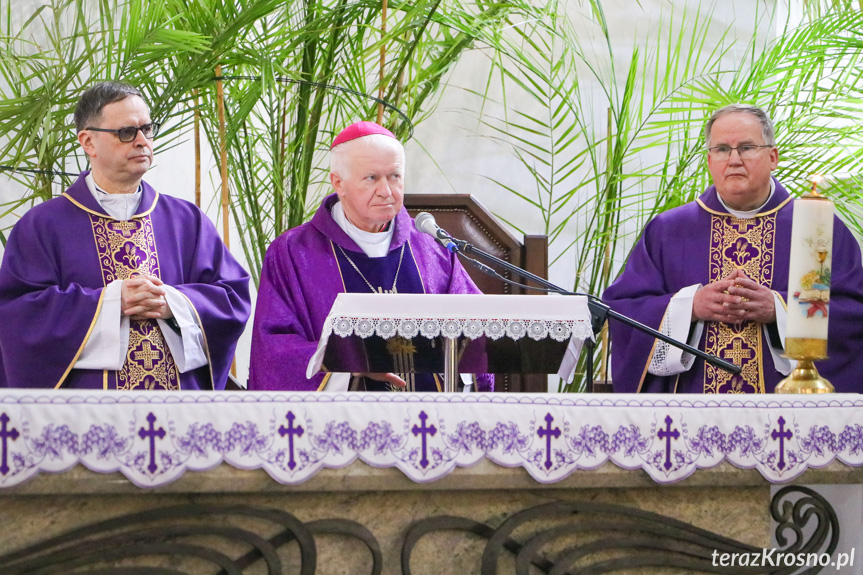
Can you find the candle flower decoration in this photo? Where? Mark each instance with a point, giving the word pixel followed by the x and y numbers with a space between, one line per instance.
pixel 813 297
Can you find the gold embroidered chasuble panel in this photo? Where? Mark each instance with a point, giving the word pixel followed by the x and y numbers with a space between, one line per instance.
pixel 747 245
pixel 126 249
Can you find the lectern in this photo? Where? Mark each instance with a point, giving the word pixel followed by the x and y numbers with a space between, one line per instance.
pixel 454 334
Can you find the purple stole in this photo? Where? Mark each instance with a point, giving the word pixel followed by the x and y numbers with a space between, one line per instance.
pixel 126 249
pixel 749 245
pixel 397 272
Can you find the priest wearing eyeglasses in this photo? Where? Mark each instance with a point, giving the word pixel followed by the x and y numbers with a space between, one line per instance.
pixel 361 239
pixel 714 273
pixel 113 285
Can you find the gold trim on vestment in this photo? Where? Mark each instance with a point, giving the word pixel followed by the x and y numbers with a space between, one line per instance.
pixel 83 343
pixel 106 216
pixel 344 290
pixel 647 365
pixel 416 265
pixel 650 360
pixel 338 267
pixel 781 300
pixel 727 215
pixel 206 346
pixel 652 351
pixel 325 380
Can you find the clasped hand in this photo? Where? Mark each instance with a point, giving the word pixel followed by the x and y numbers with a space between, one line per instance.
pixel 733 300
pixel 143 297
pixel 390 378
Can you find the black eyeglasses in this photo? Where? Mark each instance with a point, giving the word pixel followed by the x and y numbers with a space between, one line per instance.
pixel 129 133
pixel 745 152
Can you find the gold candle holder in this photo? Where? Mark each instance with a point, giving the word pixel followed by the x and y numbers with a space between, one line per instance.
pixel 805 378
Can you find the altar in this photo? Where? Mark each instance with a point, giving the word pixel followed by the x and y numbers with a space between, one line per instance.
pixel 411 483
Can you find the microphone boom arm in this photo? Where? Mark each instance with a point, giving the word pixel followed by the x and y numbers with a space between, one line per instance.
pixel 599 311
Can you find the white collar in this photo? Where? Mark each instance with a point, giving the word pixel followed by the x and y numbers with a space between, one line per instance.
pixel 748 214
pixel 118 206
pixel 374 245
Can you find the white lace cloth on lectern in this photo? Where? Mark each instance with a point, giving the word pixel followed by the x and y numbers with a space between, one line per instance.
pixel 463 315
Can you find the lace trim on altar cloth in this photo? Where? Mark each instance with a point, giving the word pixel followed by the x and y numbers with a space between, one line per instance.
pixel 155 438
pixel 457 327
pixel 667 359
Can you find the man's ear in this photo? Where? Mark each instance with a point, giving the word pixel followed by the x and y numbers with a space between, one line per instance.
pixel 85 138
pixel 336 181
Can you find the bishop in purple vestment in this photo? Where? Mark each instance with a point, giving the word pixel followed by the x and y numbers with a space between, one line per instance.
pixel 361 239
pixel 113 285
pixel 714 273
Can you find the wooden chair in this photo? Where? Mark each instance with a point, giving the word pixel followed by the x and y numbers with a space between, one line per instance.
pixel 465 218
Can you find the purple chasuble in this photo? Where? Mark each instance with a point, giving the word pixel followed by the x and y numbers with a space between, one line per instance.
pixel 304 270
pixel 394 273
pixel 701 242
pixel 61 255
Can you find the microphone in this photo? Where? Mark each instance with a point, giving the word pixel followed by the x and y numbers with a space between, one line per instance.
pixel 425 223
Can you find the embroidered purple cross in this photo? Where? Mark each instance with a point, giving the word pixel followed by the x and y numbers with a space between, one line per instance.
pixel 152 434
pixel 781 435
pixel 423 430
pixel 4 436
pixel 291 431
pixel 548 433
pixel 125 228
pixel 668 434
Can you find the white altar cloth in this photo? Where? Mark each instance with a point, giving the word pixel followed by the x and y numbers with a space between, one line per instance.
pixel 154 437
pixel 453 315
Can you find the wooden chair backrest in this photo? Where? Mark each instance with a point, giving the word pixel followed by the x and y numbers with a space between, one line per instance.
pixel 465 218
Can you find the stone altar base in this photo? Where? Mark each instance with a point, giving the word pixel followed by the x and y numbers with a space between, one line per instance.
pixel 726 501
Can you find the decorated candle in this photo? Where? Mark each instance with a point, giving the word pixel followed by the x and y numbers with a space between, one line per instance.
pixel 809 277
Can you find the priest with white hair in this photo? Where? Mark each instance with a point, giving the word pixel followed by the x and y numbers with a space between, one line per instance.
pixel 360 240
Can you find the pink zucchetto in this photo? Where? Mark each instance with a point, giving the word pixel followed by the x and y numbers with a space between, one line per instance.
pixel 359 130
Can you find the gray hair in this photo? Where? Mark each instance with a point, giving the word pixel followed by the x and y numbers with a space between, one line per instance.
pixel 766 123
pixel 339 156
pixel 90 106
